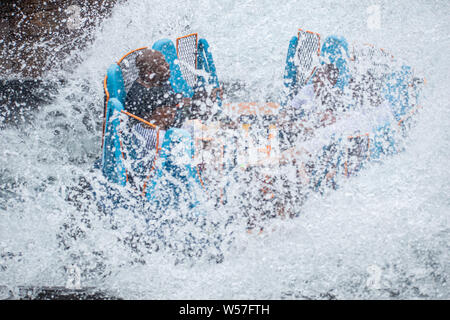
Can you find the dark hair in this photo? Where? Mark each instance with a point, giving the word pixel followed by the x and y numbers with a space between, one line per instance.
pixel 152 60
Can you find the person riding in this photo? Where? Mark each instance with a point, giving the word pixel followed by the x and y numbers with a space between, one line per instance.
pixel 321 100
pixel 152 99
pixel 313 112
pixel 313 107
pixel 159 144
pixel 151 96
pixel 322 97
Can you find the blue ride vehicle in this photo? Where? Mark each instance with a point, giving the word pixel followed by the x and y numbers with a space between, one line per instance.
pixel 117 81
pixel 192 65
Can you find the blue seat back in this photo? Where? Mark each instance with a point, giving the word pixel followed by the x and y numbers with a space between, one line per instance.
pixel 112 165
pixel 290 71
pixel 205 62
pixel 179 84
pixel 115 83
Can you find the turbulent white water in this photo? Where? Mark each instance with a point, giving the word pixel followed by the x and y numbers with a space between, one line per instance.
pixel 383 234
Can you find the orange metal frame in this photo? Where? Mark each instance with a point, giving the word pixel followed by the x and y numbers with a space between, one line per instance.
pixel 196 45
pixel 318 49
pixel 307 31
pixel 105 87
pixel 132 51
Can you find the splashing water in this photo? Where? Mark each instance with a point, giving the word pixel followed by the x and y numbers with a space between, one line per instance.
pixel 382 234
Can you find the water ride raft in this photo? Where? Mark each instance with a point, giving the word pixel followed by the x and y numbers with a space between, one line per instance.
pixel 254 142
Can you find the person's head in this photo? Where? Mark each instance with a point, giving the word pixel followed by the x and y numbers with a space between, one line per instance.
pixel 153 67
